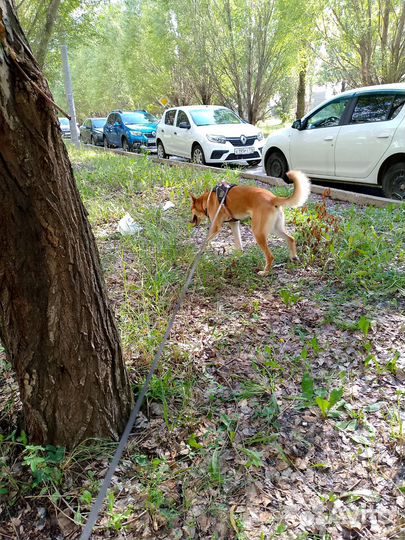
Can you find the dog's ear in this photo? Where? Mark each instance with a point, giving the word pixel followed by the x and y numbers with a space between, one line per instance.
pixel 193 198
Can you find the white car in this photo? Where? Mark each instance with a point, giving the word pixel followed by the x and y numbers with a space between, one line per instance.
pixel 208 134
pixel 64 125
pixel 357 137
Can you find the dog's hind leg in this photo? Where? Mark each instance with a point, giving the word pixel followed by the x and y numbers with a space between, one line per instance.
pixel 236 234
pixel 279 229
pixel 260 229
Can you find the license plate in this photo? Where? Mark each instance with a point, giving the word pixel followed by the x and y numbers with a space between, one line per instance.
pixel 151 142
pixel 245 150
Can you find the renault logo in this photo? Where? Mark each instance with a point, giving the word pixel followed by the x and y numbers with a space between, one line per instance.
pixel 243 139
pixel 153 133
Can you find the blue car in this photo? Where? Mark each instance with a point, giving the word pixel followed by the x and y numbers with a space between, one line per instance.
pixel 130 130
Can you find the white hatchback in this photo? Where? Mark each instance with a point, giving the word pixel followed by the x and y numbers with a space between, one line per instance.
pixel 358 137
pixel 208 134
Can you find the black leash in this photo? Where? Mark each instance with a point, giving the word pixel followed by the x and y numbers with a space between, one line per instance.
pixel 95 510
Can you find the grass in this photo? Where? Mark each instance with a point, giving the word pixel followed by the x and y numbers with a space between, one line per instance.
pixel 244 362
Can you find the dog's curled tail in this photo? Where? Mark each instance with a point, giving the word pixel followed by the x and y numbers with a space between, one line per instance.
pixel 302 189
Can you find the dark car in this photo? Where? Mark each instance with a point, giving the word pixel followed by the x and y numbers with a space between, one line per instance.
pixel 131 130
pixel 91 131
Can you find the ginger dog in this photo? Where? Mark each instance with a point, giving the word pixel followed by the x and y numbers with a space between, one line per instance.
pixel 265 209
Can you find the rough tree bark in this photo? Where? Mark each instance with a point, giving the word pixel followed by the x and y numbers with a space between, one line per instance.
pixel 55 321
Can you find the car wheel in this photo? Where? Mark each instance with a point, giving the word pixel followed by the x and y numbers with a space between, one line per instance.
pixel 197 155
pixel 276 165
pixel 105 142
pixel 125 145
pixel 393 183
pixel 161 153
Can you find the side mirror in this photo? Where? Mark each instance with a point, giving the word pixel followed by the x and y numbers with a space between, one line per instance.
pixel 184 125
pixel 297 124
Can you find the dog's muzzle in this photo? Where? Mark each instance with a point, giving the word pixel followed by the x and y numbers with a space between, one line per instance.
pixel 195 221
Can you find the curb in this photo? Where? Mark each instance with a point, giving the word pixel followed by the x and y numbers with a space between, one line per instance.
pixel 333 193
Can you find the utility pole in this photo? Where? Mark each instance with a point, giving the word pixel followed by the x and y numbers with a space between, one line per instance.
pixel 69 94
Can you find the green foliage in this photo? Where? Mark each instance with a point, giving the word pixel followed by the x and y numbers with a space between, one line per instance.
pixel 364 325
pixel 362 43
pixel 116 519
pixel 44 463
pixel 311 395
pixel 360 252
pixel 307 388
pixel 326 404
pixel 254 458
pixel 215 468
pixel 289 298
pixel 130 54
pixel 42 471
pixel 317 230
pixel 370 262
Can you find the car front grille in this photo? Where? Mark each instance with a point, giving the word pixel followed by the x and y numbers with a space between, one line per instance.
pixel 217 154
pixel 233 157
pixel 150 135
pixel 235 141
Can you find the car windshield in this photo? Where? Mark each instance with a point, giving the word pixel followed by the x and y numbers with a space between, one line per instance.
pixel 98 122
pixel 139 117
pixel 212 117
pixel 63 121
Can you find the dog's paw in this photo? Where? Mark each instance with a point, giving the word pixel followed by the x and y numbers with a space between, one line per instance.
pixel 263 273
pixel 295 259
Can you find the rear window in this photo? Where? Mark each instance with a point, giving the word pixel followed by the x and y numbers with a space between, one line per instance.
pixel 139 117
pixel 98 122
pixel 169 117
pixel 397 105
pixel 373 108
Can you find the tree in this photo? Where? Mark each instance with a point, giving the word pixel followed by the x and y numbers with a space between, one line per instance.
pixel 302 87
pixel 51 17
pixel 55 321
pixel 48 24
pixel 364 41
pixel 253 47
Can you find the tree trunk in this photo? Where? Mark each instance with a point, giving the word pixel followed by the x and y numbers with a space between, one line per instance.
pixel 302 88
pixel 55 321
pixel 51 16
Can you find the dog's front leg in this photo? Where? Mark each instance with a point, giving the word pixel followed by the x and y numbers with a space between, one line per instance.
pixel 236 234
pixel 214 231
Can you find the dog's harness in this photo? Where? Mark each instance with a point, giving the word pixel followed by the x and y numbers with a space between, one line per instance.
pixel 222 191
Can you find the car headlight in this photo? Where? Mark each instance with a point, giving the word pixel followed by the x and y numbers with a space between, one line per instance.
pixel 217 138
pixel 259 136
pixel 136 133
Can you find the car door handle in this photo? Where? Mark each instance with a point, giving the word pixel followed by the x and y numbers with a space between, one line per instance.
pixel 162 130
pixel 383 136
pixel 175 133
pixel 329 138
